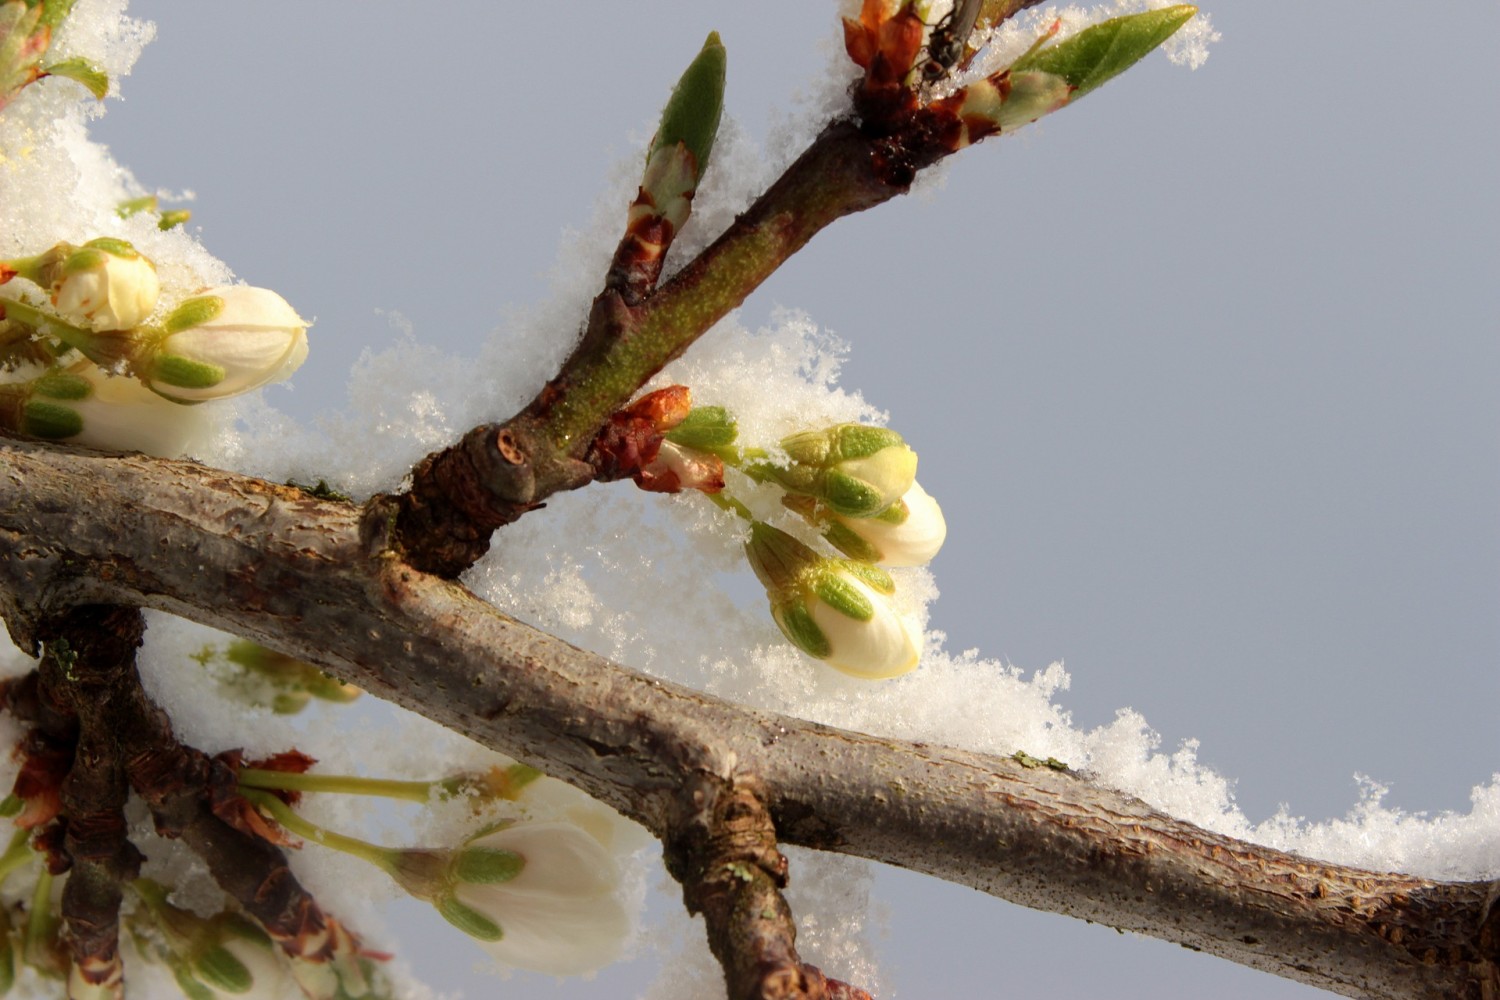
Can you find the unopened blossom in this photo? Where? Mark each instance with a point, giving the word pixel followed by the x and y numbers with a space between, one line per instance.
pixel 81 404
pixel 212 958
pixel 835 610
pixel 855 469
pixel 539 896
pixel 106 284
pixel 907 533
pixel 223 342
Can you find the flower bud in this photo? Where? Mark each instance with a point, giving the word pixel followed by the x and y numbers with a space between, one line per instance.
pixel 83 405
pixel 224 342
pixel 907 533
pixel 213 958
pixel 106 284
pixel 283 683
pixel 538 896
pixel 857 470
pixel 833 610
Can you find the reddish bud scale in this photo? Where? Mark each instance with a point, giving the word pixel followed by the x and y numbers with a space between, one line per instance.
pixel 633 436
pixel 638 259
pixel 39 784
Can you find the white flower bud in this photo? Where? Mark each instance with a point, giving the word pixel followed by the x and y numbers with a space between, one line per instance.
pixel 224 342
pixel 834 610
pixel 120 414
pixel 106 286
pixel 907 533
pixel 557 913
pixel 856 470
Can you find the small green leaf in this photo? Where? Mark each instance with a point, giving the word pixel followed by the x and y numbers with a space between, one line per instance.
pixel 691 116
pixel 173 218
pixel 468 920
pixel 80 70
pixel 706 428
pixel 1098 54
pixel 130 206
pixel 55 11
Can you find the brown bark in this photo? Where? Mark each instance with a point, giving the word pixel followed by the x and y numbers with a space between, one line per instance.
pixel 242 555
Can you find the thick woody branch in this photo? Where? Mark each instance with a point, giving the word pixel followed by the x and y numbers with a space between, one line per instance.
pixel 459 496
pixel 245 555
pixel 91 649
pixel 722 849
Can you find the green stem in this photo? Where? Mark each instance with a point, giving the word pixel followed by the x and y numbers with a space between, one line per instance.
pixel 381 857
pixel 41 922
pixel 48 324
pixel 726 502
pixel 17 853
pixel 346 784
pixel 834 177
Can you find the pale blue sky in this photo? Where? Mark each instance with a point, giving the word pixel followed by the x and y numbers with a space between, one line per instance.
pixel 1204 370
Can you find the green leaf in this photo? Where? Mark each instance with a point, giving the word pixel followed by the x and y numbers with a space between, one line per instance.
pixel 80 70
pixel 706 428
pixel 1099 53
pixel 691 116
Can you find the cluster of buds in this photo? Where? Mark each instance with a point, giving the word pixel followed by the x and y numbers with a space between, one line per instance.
pixel 854 484
pixel 255 675
pixel 219 342
pixel 538 893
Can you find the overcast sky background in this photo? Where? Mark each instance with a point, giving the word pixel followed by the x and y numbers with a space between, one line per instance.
pixel 1204 371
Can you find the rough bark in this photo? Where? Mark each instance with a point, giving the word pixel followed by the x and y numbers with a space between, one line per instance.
pixel 243 555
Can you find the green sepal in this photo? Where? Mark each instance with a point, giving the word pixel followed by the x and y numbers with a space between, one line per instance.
pixel 873 577
pixel 51 421
pixel 185 373
pixel 706 428
pixel 290 702
pixel 796 623
pixel 850 544
pixel 193 312
pixel 130 206
pixel 190 987
pixel 691 116
pixel 839 443
pixel 114 247
pixel 173 218
pixel 1099 53
pixel 851 497
pixel 62 385
pixel 84 259
pixel 487 865
pixel 80 70
pixel 217 967
pixel 468 920
pixel 840 594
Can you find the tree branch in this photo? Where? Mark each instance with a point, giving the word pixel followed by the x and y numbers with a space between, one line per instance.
pixel 241 554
